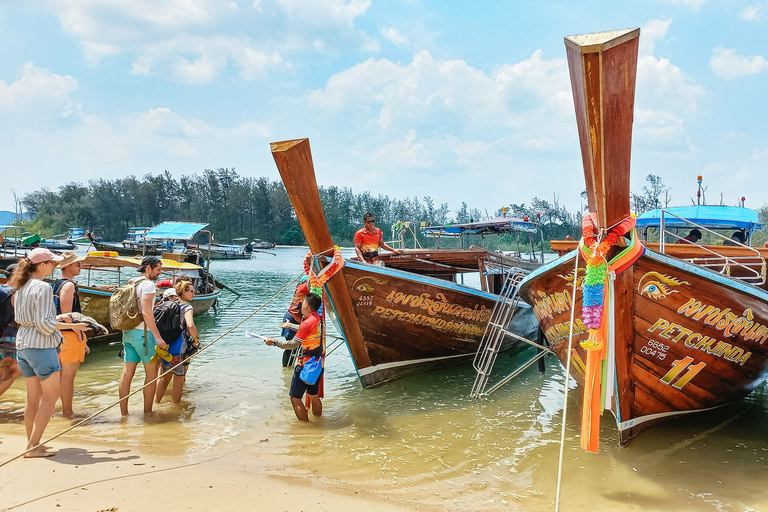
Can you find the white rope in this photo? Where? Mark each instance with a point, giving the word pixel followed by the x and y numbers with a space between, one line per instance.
pixel 567 378
pixel 89 418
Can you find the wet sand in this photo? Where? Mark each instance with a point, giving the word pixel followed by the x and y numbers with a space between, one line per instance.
pixel 105 477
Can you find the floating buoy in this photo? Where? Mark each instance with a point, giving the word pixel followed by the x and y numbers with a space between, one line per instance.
pixel 103 254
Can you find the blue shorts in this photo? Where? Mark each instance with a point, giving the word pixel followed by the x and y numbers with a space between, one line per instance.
pixel 288 333
pixel 39 362
pixel 8 347
pixel 299 387
pixel 133 344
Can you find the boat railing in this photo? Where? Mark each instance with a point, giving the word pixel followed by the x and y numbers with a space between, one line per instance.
pixel 750 267
pixel 495 333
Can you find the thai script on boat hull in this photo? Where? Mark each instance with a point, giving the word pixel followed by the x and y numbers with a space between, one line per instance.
pixel 724 320
pixel 429 321
pixel 549 305
pixel 699 341
pixel 441 305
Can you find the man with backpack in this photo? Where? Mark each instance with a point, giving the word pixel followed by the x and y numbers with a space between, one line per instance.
pixel 9 367
pixel 139 342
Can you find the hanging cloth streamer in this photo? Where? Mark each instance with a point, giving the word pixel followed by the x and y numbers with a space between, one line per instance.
pixel 595 316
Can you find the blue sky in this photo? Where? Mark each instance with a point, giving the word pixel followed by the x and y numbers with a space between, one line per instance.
pixel 460 101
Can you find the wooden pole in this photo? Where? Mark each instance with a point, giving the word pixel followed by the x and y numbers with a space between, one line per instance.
pixel 294 161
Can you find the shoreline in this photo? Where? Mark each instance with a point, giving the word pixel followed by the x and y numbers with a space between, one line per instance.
pixel 94 476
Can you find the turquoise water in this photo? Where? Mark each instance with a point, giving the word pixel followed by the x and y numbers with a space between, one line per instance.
pixel 419 438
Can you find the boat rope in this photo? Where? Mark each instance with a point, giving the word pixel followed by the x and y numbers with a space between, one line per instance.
pixel 567 379
pixel 153 381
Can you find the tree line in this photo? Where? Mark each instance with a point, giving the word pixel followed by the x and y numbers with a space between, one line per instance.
pixel 258 208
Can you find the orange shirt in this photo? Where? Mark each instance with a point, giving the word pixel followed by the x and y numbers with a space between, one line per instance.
pixel 367 241
pixel 310 335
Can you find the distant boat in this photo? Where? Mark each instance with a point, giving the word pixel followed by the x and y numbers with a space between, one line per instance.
pixel 215 251
pixel 679 327
pixel 407 314
pixel 133 244
pixel 56 245
pixel 78 236
pixel 261 244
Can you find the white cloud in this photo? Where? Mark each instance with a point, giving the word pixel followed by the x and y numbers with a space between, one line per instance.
pixel 182 39
pixel 38 85
pixel 727 64
pixel 449 96
pixel 405 152
pixel 392 35
pixel 650 33
pixel 325 11
pixel 691 4
pixel 752 13
pixel 214 53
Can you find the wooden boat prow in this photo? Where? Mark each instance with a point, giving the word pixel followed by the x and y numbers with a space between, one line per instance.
pixel 294 161
pixel 686 332
pixel 406 314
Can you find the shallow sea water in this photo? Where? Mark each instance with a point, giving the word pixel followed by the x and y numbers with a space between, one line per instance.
pixel 419 438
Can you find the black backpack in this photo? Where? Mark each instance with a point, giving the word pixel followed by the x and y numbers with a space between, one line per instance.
pixel 168 316
pixel 6 308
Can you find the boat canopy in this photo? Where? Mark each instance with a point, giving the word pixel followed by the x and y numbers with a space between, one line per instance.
pixel 709 216
pixel 496 226
pixel 126 261
pixel 175 230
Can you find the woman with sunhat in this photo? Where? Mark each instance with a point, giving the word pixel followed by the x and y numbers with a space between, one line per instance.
pixel 74 346
pixel 37 342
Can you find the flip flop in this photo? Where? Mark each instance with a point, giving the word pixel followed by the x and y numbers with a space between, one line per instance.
pixel 161 353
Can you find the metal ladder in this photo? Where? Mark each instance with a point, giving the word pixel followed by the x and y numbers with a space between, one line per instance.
pixel 495 332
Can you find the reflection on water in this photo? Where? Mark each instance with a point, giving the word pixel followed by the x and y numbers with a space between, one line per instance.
pixel 420 437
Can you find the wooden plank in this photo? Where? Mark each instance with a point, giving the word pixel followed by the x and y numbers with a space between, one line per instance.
pixel 294 161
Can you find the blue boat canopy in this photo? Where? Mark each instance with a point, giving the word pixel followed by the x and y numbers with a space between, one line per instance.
pixel 709 216
pixel 494 226
pixel 175 230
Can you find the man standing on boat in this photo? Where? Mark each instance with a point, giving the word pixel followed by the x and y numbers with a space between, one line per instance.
pixel 368 239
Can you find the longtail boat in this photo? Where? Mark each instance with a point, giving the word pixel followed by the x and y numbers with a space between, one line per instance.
pixel 102 274
pixel 660 330
pixel 408 315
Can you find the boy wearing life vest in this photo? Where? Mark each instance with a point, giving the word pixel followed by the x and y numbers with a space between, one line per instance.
pixel 310 337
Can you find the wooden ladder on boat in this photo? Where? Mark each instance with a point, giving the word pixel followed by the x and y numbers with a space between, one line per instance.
pixel 496 331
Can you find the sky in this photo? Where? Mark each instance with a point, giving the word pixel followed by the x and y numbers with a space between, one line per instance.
pixel 460 101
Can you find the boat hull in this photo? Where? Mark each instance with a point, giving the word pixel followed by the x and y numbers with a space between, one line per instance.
pixel 684 339
pixel 412 323
pixel 122 250
pixel 94 302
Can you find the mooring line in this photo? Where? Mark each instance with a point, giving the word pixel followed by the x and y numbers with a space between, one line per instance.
pixel 89 418
pixel 567 379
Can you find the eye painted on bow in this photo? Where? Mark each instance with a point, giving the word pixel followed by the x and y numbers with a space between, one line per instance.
pixel 364 288
pixel 658 286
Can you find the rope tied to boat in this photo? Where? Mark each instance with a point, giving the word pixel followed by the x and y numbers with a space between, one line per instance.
pixel 568 351
pixel 153 381
pixel 317 281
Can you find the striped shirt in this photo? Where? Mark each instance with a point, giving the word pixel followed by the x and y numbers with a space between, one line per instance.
pixel 35 315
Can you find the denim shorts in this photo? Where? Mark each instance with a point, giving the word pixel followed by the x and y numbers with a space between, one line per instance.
pixel 38 362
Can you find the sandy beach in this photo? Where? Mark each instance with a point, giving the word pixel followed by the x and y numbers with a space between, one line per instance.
pixel 102 477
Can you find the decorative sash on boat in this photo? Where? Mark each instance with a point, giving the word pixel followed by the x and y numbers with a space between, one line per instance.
pixel 597 292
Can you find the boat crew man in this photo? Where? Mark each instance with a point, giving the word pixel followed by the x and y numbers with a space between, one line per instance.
pixel 368 239
pixel 310 339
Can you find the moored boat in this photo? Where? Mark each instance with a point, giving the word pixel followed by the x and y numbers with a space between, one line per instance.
pixel 658 332
pixel 407 314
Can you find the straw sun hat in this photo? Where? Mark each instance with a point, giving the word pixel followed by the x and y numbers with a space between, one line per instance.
pixel 70 257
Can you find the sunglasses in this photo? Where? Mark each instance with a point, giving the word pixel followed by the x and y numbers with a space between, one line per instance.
pixel 370 221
